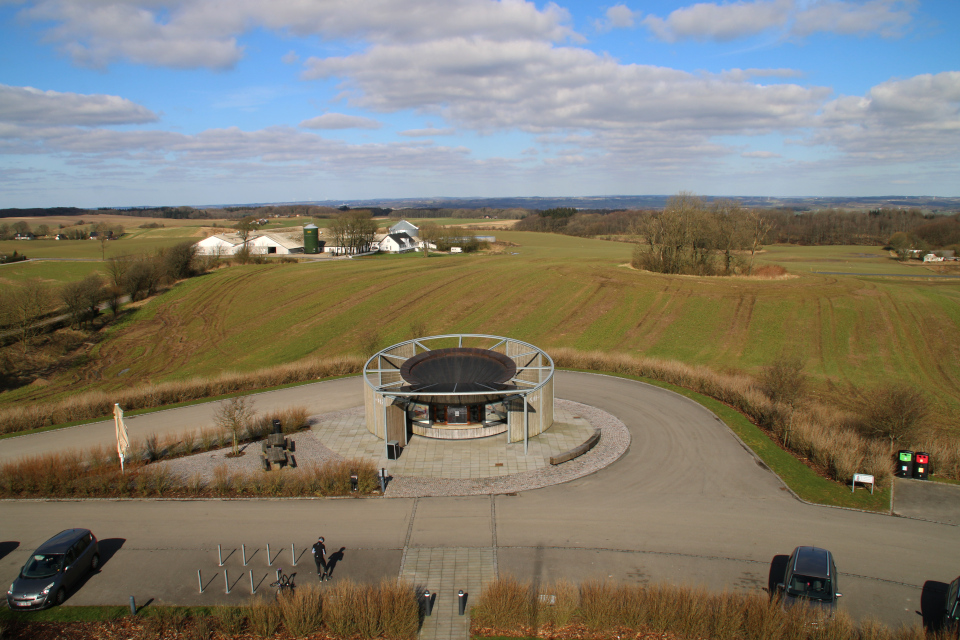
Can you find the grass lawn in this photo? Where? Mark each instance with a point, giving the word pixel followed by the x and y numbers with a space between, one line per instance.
pixel 839 259
pixel 552 291
pixel 49 271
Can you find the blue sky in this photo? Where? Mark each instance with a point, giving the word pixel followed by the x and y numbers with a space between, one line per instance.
pixel 152 102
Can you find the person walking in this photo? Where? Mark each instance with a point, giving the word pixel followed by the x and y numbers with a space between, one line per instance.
pixel 320 557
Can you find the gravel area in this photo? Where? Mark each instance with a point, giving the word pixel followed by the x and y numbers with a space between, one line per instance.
pixel 307 450
pixel 614 442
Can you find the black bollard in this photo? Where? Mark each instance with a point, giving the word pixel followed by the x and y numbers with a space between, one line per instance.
pixel 463 601
pixel 428 604
pixel 354 480
pixel 383 481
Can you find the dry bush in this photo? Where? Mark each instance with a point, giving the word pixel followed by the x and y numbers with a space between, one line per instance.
pixel 727 615
pixel 263 616
pixel 503 604
pixel 302 611
pixel 229 620
pixel 369 612
pixel 399 610
pixel 768 271
pixel 340 609
pixel 562 611
pixel 291 419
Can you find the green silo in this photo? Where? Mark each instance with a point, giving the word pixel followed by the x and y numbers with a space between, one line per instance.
pixel 311 239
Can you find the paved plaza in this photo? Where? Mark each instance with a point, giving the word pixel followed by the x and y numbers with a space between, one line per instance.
pixel 346 434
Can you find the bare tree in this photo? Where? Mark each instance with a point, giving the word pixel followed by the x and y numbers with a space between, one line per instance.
pixel 892 411
pixel 784 379
pixel 245 229
pixel 22 308
pixel 234 416
pixel 759 227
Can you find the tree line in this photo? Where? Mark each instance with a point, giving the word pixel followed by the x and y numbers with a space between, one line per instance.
pixel 31 308
pixel 826 227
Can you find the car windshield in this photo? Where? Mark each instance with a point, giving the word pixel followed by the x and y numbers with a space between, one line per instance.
pixel 42 565
pixel 812 588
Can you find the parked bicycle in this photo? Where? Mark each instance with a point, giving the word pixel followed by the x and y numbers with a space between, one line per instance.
pixel 284 583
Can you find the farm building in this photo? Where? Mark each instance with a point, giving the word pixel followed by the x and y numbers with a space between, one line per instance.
pixel 406 227
pixel 275 243
pixel 397 243
pixel 221 244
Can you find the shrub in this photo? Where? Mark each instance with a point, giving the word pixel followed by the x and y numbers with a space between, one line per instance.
pixel 263 616
pixel 302 611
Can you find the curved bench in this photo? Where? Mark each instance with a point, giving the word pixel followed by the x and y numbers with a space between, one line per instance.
pixel 577 451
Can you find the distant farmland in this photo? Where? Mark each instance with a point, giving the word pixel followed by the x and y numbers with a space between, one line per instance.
pixel 556 291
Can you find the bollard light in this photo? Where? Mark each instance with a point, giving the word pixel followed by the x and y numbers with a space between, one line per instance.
pixel 463 601
pixel 354 481
pixel 428 609
pixel 383 481
pixel 133 606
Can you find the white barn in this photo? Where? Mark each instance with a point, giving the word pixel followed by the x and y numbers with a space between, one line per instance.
pixel 221 244
pixel 275 243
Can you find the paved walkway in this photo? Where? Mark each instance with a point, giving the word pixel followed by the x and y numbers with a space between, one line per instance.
pixel 445 572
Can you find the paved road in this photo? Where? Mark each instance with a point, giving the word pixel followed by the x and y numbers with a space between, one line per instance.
pixel 686 504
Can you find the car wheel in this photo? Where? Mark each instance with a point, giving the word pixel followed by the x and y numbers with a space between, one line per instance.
pixel 95 563
pixel 59 597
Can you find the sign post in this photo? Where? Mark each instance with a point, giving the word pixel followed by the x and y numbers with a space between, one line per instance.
pixel 862 478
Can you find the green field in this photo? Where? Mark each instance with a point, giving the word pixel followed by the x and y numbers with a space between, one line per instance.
pixel 842 259
pixel 553 291
pixel 49 271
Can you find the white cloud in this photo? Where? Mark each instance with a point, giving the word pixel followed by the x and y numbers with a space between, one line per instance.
pixel 885 17
pixel 29 106
pixel 537 87
pixel 618 17
pixel 911 119
pixel 203 33
pixel 290 57
pixel 427 133
pixel 340 121
pixel 763 155
pixel 710 21
pixel 732 20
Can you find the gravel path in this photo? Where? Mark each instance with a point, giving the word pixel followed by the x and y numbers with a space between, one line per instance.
pixel 614 442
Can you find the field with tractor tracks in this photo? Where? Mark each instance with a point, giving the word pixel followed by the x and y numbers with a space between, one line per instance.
pixel 553 291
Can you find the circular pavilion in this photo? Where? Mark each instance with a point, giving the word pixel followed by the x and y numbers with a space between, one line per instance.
pixel 457 387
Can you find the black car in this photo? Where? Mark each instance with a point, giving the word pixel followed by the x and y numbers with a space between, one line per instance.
pixel 810 577
pixel 951 615
pixel 53 569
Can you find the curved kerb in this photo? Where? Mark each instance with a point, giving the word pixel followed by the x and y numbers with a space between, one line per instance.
pixel 528 395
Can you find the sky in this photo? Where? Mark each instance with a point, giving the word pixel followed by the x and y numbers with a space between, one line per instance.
pixel 193 102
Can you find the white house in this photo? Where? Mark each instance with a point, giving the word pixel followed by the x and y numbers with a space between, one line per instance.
pixel 397 243
pixel 406 227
